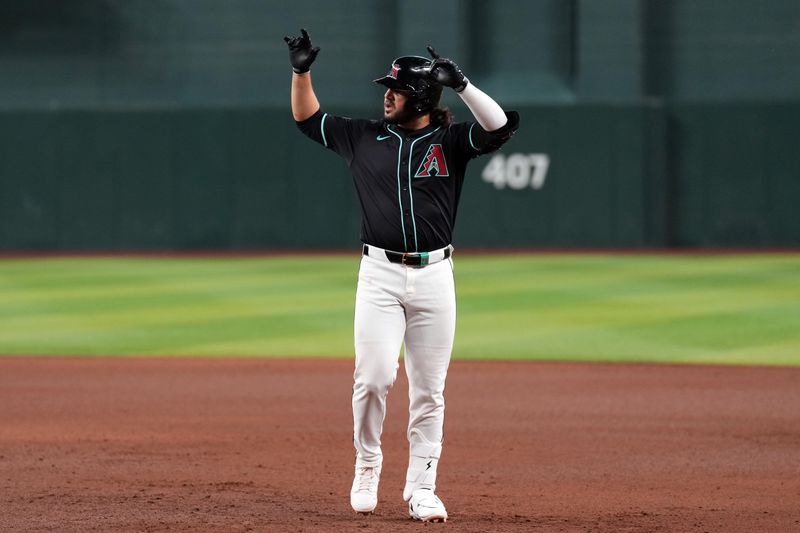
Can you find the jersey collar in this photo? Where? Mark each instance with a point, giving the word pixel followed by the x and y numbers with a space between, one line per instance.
pixel 409 134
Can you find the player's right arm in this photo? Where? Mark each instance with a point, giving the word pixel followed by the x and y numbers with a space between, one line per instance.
pixel 301 56
pixel 334 133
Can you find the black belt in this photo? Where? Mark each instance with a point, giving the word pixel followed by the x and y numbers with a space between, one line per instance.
pixel 409 259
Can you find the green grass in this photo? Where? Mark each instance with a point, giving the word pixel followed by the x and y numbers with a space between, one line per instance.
pixel 709 309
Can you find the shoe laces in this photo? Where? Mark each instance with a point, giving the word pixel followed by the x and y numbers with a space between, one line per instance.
pixel 367 478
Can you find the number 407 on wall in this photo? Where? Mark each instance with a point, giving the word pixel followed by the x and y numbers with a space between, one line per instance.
pixel 517 171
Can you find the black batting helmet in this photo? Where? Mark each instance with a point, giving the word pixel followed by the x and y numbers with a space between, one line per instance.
pixel 423 95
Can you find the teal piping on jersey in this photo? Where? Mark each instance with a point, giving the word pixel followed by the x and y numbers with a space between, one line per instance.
pixel 399 198
pixel 470 138
pixel 322 129
pixel 410 156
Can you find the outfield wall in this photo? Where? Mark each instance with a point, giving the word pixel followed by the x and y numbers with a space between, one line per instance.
pixel 165 125
pixel 734 174
pixel 575 175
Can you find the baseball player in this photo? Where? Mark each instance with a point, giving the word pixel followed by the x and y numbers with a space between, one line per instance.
pixel 408 170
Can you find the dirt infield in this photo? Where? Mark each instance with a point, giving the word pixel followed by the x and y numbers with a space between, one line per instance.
pixel 241 445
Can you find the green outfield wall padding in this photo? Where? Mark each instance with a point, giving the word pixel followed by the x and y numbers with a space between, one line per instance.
pixel 180 179
pixel 597 190
pixel 736 175
pixel 616 176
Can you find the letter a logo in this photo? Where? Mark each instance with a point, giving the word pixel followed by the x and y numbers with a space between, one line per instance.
pixel 433 164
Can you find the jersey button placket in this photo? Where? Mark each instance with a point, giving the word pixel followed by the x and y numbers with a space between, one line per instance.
pixel 407 215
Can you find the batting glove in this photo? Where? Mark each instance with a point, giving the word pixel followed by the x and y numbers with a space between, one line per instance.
pixel 444 72
pixel 301 54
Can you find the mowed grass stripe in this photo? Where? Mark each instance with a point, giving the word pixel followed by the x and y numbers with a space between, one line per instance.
pixel 656 308
pixel 141 306
pixel 722 309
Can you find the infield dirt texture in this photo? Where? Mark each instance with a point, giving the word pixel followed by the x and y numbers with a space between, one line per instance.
pixel 265 445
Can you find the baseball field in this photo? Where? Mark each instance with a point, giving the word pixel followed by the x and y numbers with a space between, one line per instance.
pixel 588 392
pixel 730 309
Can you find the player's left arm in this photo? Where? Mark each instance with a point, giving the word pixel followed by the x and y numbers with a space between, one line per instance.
pixel 495 126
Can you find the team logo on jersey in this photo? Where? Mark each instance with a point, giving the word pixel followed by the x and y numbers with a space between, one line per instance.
pixel 433 164
pixel 395 69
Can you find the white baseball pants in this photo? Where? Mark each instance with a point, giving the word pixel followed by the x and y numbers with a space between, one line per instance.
pixel 396 305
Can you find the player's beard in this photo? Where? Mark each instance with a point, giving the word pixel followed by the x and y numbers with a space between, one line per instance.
pixel 402 116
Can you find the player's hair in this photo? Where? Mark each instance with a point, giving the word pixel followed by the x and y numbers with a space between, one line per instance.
pixel 441 116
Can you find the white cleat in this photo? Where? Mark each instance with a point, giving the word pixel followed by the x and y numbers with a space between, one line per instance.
pixel 364 494
pixel 426 506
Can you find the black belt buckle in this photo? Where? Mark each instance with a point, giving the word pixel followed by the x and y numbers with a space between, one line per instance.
pixel 420 259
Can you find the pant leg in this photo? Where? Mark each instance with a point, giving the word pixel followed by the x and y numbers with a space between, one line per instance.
pixel 430 330
pixel 379 327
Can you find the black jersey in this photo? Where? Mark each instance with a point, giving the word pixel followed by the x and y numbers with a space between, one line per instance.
pixel 408 182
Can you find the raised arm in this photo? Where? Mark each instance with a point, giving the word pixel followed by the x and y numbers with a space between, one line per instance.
pixel 486 111
pixel 304 101
pixel 301 56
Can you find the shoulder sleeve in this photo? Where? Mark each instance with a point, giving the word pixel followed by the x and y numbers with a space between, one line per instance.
pixel 331 131
pixel 475 141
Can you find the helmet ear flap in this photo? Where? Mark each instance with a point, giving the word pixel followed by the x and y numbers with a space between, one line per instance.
pixel 422 104
pixel 426 96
